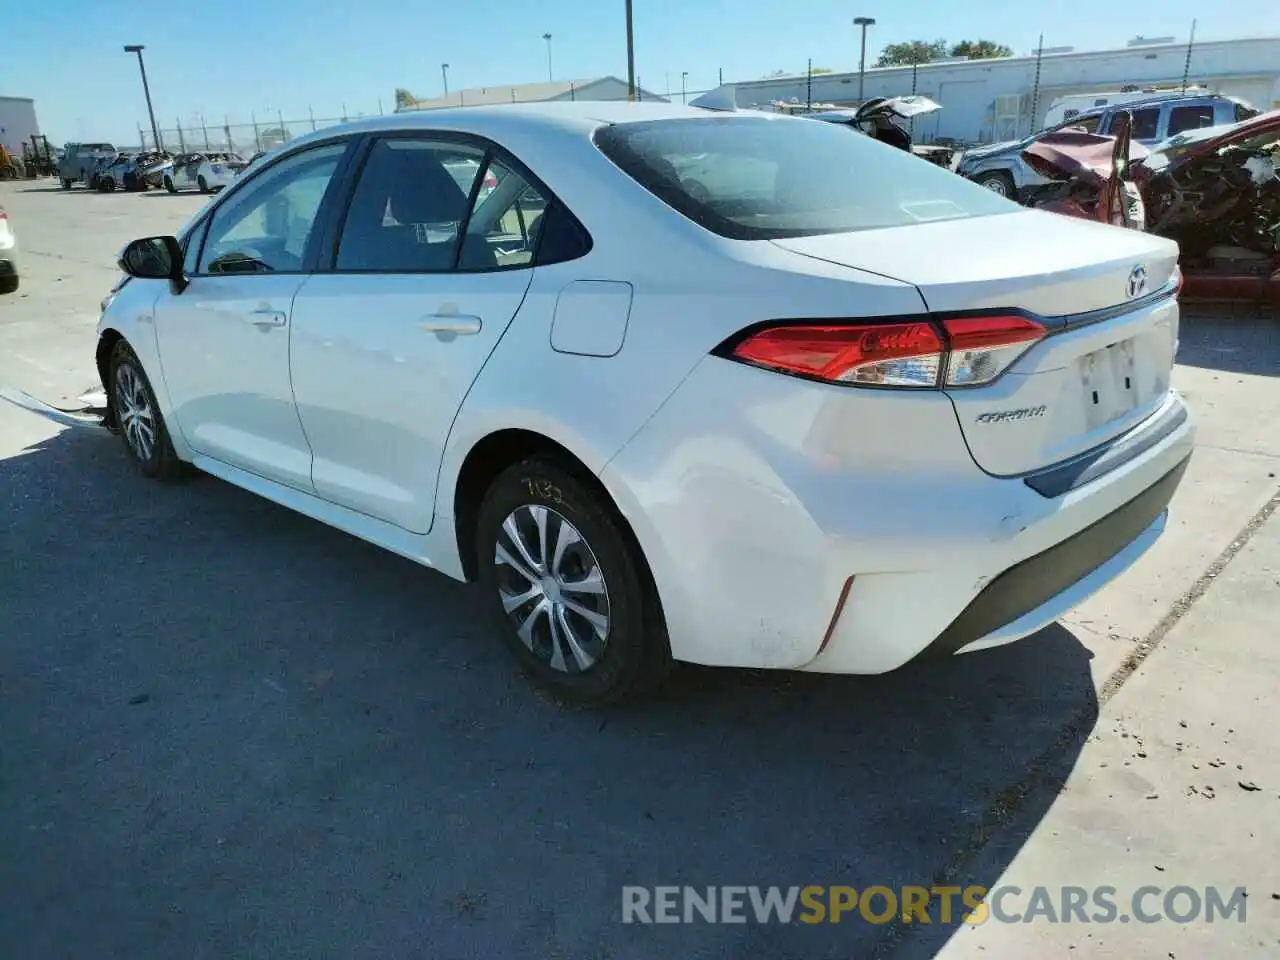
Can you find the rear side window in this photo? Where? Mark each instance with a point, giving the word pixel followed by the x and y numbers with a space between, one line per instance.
pixel 761 178
pixel 1146 124
pixel 1189 118
pixel 1245 113
pixel 505 222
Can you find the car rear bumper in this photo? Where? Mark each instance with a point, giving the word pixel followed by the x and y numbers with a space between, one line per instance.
pixel 1038 590
pixel 849 531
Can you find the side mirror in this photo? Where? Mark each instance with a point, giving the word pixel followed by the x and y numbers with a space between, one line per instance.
pixel 155 258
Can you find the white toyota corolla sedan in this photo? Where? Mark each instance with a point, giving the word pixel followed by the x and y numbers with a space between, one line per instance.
pixel 827 408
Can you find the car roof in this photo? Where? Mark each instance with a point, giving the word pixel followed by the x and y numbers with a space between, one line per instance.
pixel 582 116
pixel 1163 98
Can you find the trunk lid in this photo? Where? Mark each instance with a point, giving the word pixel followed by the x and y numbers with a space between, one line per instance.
pixel 1106 363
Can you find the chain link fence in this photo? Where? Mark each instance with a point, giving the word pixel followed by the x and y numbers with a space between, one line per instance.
pixel 265 133
pixel 207 134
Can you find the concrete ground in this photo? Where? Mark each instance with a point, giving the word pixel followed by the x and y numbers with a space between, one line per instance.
pixel 231 731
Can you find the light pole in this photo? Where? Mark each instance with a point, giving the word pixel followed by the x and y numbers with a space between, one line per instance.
pixel 146 90
pixel 444 74
pixel 863 22
pixel 547 37
pixel 631 57
pixel 684 75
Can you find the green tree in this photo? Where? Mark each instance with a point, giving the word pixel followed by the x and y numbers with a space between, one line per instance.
pixel 913 51
pixel 404 98
pixel 980 50
pixel 818 70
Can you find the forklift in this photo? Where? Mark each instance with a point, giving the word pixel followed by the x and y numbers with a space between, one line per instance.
pixel 39 158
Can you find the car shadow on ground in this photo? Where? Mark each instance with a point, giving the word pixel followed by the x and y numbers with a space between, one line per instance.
pixel 232 731
pixel 1232 344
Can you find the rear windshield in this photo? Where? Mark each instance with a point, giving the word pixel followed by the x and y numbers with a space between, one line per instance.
pixel 761 178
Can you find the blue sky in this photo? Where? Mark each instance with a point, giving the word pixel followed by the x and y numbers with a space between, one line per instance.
pixel 231 58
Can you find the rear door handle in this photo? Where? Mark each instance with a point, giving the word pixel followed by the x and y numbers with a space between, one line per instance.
pixel 268 318
pixel 456 323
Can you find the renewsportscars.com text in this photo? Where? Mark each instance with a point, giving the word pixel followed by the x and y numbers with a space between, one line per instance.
pixel 937 904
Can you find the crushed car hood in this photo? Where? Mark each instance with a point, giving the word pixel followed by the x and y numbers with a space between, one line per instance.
pixel 1068 155
pixel 904 108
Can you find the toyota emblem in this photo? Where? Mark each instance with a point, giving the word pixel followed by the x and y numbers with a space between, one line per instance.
pixel 1137 282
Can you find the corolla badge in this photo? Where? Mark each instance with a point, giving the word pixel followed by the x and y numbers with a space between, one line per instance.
pixel 1137 285
pixel 1011 416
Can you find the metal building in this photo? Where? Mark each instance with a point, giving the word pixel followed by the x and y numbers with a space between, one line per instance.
pixel 17 123
pixel 985 100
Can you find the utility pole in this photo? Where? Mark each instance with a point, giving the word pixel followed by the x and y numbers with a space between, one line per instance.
pixel 146 90
pixel 1035 89
pixel 631 56
pixel 808 88
pixel 1186 70
pixel 863 22
pixel 547 37
pixel 444 75
pixel 684 76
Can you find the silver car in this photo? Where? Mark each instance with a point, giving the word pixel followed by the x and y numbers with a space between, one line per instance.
pixel 999 166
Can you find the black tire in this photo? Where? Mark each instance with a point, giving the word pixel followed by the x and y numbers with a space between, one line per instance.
pixel 634 655
pixel 998 182
pixel 204 184
pixel 127 386
pixel 168 185
pixel 8 284
pixel 93 183
pixel 66 184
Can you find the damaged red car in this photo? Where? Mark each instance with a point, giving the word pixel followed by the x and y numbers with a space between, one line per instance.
pixel 1216 191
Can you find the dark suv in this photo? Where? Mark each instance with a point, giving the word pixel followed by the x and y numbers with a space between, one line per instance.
pixel 999 167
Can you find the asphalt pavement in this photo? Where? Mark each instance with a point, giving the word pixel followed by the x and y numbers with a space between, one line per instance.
pixel 230 731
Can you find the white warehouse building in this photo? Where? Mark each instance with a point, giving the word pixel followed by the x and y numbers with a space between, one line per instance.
pixel 985 100
pixel 17 123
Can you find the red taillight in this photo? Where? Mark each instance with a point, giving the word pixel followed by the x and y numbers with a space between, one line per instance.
pixel 982 348
pixel 914 353
pixel 886 354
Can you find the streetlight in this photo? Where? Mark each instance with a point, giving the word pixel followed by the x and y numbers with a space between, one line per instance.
pixel 547 37
pixel 444 73
pixel 684 75
pixel 863 22
pixel 631 57
pixel 146 90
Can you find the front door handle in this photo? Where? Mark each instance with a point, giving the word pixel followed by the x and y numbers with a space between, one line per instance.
pixel 268 318
pixel 456 323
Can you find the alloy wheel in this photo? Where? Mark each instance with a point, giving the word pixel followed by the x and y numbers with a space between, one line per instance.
pixel 136 416
pixel 552 589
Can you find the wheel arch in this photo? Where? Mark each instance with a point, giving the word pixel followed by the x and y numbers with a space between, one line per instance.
pixel 495 452
pixel 107 340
